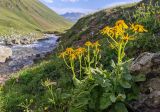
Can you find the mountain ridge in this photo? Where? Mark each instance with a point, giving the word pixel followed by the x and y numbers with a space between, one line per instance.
pixel 73 16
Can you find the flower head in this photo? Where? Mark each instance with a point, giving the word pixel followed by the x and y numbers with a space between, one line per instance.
pixel 72 56
pixel 118 31
pixel 69 51
pixel 62 55
pixel 88 44
pixel 96 44
pixel 138 28
pixel 107 31
pixel 121 24
pixel 80 51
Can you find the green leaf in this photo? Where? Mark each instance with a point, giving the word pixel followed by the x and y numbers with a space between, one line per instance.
pixel 121 97
pixel 127 76
pixel 104 82
pixel 139 78
pixel 76 82
pixel 65 95
pixel 113 98
pixel 120 107
pixel 74 109
pixel 105 101
pixel 132 97
pixel 92 61
pixel 113 64
pixel 125 84
pixel 82 99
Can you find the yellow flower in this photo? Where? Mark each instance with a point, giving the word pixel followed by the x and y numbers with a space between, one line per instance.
pixel 96 44
pixel 118 31
pixel 80 51
pixel 138 28
pixel 69 51
pixel 72 56
pixel 113 32
pixel 126 38
pixel 88 44
pixel 121 24
pixel 108 31
pixel 62 55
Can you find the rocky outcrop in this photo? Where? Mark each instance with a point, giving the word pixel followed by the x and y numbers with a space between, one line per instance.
pixel 5 53
pixel 148 64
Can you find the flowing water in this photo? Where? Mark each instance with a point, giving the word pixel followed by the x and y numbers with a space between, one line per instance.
pixel 24 55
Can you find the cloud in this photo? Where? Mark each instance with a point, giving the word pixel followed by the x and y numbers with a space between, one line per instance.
pixel 64 10
pixel 48 1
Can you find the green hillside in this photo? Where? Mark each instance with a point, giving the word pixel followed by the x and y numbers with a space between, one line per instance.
pixel 25 16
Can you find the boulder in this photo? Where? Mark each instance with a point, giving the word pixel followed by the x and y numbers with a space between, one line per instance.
pixel 146 63
pixel 149 65
pixel 5 53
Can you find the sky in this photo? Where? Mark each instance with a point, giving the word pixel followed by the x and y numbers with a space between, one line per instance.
pixel 83 6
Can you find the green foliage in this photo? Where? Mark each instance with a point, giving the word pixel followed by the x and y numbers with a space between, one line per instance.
pixel 2 103
pixel 26 105
pixel 106 92
pixel 27 84
pixel 149 16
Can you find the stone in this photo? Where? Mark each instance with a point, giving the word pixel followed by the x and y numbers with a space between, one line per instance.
pixel 149 65
pixel 146 63
pixel 15 41
pixel 149 100
pixel 5 53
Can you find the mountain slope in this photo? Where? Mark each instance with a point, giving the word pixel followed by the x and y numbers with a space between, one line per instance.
pixel 89 26
pixel 73 16
pixel 29 15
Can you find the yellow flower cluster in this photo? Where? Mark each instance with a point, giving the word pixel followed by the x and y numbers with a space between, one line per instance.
pixel 90 44
pixel 119 36
pixel 138 28
pixel 72 54
pixel 87 54
pixel 120 30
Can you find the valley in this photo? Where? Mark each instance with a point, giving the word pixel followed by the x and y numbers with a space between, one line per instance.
pixel 107 61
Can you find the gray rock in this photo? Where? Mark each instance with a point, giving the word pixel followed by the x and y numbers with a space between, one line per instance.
pixel 149 100
pixel 5 53
pixel 16 41
pixel 146 63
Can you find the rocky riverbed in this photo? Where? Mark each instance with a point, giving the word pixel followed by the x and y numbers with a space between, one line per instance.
pixel 24 55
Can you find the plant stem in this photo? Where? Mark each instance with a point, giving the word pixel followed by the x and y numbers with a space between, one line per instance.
pixel 80 64
pixel 89 63
pixel 119 53
pixel 66 63
pixel 96 56
pixel 72 68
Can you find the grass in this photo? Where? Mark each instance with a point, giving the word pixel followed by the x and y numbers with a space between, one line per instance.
pixel 29 16
pixel 23 84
